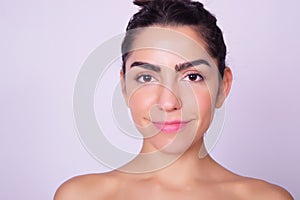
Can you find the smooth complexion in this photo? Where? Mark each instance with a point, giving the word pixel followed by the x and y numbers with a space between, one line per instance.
pixel 171 97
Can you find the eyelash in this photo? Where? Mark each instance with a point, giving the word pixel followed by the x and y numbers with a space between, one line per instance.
pixel 152 79
pixel 194 73
pixel 143 76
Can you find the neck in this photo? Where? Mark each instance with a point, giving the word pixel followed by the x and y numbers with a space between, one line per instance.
pixel 170 168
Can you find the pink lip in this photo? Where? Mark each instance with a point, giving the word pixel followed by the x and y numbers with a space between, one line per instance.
pixel 170 126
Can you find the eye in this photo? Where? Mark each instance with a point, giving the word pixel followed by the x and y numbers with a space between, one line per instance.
pixel 194 77
pixel 145 78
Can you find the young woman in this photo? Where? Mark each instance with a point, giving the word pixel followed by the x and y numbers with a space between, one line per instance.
pixel 173 78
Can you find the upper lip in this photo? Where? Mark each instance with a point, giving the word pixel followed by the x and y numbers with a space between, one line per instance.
pixel 171 122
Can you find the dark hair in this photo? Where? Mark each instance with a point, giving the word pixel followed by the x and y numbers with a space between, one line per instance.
pixel 176 13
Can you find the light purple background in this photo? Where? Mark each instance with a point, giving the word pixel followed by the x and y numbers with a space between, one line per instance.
pixel 44 43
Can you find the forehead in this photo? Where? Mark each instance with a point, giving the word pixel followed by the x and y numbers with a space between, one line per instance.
pixel 181 40
pixel 163 44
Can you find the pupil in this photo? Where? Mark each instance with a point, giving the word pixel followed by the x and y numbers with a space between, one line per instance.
pixel 147 78
pixel 193 77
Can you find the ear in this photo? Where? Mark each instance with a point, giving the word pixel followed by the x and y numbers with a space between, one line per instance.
pixel 225 86
pixel 123 86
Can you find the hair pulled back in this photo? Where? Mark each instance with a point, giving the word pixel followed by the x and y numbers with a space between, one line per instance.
pixel 176 13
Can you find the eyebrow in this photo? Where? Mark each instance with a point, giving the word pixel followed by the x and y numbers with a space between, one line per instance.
pixel 178 67
pixel 183 66
pixel 146 66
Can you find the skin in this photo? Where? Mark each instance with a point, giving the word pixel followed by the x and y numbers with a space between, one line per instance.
pixel 174 95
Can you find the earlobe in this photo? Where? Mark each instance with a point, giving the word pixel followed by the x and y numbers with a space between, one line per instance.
pixel 225 87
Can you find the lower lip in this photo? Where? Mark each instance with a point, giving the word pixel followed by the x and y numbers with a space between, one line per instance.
pixel 169 128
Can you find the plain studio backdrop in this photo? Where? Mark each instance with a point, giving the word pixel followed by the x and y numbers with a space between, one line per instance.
pixel 44 44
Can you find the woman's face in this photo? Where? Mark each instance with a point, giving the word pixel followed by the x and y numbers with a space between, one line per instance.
pixel 171 87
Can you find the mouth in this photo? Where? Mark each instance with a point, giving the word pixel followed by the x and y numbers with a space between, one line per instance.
pixel 170 126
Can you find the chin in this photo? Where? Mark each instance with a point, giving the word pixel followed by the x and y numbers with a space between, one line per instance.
pixel 175 149
pixel 176 145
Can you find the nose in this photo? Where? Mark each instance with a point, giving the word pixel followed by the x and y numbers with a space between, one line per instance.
pixel 168 100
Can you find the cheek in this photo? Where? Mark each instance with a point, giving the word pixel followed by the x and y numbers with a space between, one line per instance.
pixel 197 99
pixel 204 102
pixel 205 110
pixel 206 98
pixel 140 103
pixel 199 105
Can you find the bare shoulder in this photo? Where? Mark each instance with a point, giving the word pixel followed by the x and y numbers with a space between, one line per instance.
pixel 250 188
pixel 91 186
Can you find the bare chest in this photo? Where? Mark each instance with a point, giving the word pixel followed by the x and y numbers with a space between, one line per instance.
pixel 147 192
